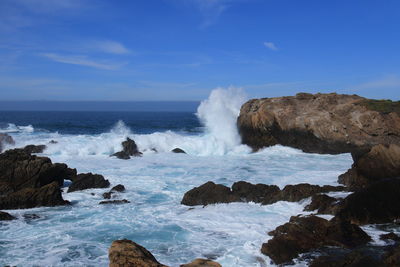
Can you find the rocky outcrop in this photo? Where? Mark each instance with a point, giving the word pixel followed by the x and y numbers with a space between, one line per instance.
pixel 390 236
pixel 320 123
pixel 118 188
pixel 323 204
pixel 19 169
pixel 34 148
pixel 378 203
pixel 305 234
pixel 129 148
pixel 5 139
pixel 125 253
pixel 88 180
pixel 381 162
pixel 26 198
pixel 4 216
pixel 201 263
pixel 351 259
pixel 178 150
pixel 211 193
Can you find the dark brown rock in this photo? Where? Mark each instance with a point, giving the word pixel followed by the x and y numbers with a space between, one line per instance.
pixel 26 198
pixel 178 150
pixel 320 123
pixel 118 188
pixel 323 204
pixel 352 259
pixel 377 203
pixel 19 169
pixel 258 193
pixel 123 201
pixel 88 180
pixel 391 236
pixel 5 139
pixel 4 216
pixel 129 148
pixel 295 193
pixel 304 234
pixel 125 253
pixel 34 149
pixel 201 263
pixel 381 162
pixel 209 193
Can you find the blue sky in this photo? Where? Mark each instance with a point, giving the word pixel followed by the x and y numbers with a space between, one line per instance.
pixel 182 49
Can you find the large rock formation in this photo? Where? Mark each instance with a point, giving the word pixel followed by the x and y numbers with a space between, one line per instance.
pixel 211 193
pixel 305 234
pixel 5 139
pixel 320 123
pixel 382 161
pixel 48 196
pixel 126 253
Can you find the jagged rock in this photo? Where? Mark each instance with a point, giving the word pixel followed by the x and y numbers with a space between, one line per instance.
pixel 19 169
pixel 201 263
pixel 123 201
pixel 382 161
pixel 320 123
pixel 5 139
pixel 178 150
pixel 323 204
pixel 117 188
pixel 129 148
pixel 352 259
pixel 4 216
pixel 210 193
pixel 125 253
pixel 304 234
pixel 88 180
pixel 34 149
pixel 26 198
pixel 377 203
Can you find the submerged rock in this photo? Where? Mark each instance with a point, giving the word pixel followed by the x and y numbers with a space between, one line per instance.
pixel 381 162
pixel 88 180
pixel 123 201
pixel 4 216
pixel 5 139
pixel 178 150
pixel 127 253
pixel 118 188
pixel 26 198
pixel 320 123
pixel 201 263
pixel 377 203
pixel 391 236
pixel 129 148
pixel 305 234
pixel 211 193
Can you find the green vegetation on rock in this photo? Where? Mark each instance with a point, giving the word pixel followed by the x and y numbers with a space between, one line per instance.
pixel 384 106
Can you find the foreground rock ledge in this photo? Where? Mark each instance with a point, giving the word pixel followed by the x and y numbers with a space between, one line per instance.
pixel 320 123
pixel 126 253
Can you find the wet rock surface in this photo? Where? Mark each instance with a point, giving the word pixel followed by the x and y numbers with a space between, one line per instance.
pixel 178 150
pixel 4 216
pixel 117 201
pixel 129 148
pixel 320 123
pixel 5 139
pixel 211 193
pixel 305 234
pixel 86 181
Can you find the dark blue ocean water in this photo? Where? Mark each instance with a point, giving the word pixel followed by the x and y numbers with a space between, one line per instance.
pixel 96 122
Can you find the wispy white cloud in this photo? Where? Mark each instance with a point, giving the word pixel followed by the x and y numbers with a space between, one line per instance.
pixel 271 45
pixel 389 81
pixel 111 47
pixel 83 61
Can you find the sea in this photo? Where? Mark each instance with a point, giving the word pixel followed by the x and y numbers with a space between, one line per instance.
pixel 81 234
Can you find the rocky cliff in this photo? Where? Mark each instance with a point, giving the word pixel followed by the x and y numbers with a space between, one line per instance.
pixel 320 123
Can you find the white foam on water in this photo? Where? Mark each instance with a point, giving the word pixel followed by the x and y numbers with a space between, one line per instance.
pixel 232 234
pixel 12 128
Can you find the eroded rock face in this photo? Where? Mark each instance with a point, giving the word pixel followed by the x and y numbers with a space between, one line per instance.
pixel 201 263
pixel 320 123
pixel 5 139
pixel 129 148
pixel 88 180
pixel 26 198
pixel 304 234
pixel 381 162
pixel 211 193
pixel 19 169
pixel 377 203
pixel 125 253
